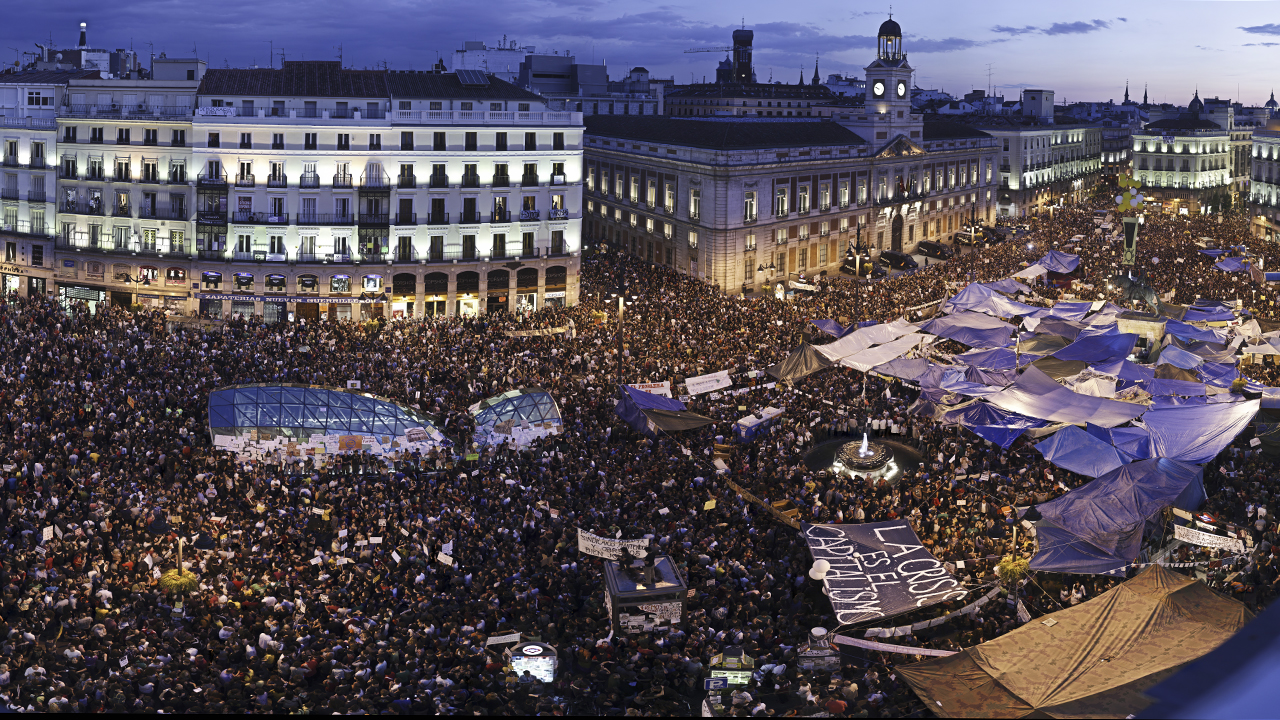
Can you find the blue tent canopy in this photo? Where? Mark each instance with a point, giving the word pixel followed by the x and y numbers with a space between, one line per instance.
pixel 1009 286
pixel 1098 527
pixel 1197 315
pixel 1218 374
pixel 1059 262
pixel 1197 433
pixel 998 434
pixel 990 378
pixel 1185 388
pixel 1068 310
pixel 1232 264
pixel 647 413
pixel 1062 328
pixel 994 359
pixel 830 327
pixel 1099 348
pixel 1213 252
pixel 1191 332
pixel 906 368
pixel 1126 370
pixel 1076 450
pixel 973 329
pixel 980 298
pixel 1134 442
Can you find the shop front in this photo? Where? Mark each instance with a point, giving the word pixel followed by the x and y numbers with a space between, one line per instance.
pixel 404 291
pixel 309 311
pixel 371 286
pixel 36 286
pixel 556 293
pixel 94 297
pixel 436 286
pixel 243 306
pixel 275 310
pixel 499 295
pixel 526 290
pixel 10 283
pixel 467 302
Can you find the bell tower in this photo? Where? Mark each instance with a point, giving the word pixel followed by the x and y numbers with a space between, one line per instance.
pixel 888 112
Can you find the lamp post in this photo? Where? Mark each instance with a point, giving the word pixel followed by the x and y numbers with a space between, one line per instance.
pixel 126 277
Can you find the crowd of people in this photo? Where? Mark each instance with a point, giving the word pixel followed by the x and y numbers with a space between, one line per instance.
pixel 110 478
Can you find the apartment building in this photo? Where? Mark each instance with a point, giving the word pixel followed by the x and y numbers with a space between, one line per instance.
pixel 1265 188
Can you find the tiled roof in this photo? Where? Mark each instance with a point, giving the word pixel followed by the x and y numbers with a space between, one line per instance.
pixel 446 85
pixel 720 134
pixel 750 90
pixel 939 130
pixel 47 77
pixel 1184 122
pixel 310 78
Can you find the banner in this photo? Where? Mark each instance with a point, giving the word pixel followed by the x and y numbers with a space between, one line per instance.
pixel 657 388
pixel 538 331
pixel 707 383
pixel 777 514
pixel 501 639
pixel 887 647
pixel 609 548
pixel 879 570
pixel 1204 539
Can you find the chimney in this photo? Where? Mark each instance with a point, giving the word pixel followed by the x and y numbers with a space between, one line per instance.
pixel 84 39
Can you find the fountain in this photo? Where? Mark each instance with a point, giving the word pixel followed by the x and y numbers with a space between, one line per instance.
pixel 866 460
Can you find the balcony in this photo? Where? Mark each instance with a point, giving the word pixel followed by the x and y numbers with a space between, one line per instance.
pixel 501 181
pixel 12 161
pixel 529 181
pixel 407 182
pixel 131 112
pixel 375 256
pixel 559 214
pixel 437 219
pixel 469 218
pixel 277 181
pixel 9 193
pixel 500 216
pixel 23 227
pixel 68 172
pixel 530 215
pixel 36 196
pixel 82 208
pixel 470 181
pixel 96 173
pixel 150 178
pixel 259 218
pixel 122 211
pixel 341 258
pixel 557 180
pixel 259 256
pixel 406 255
pixel 178 177
pixel 211 217
pixel 163 214
pixel 317 219
pixel 342 181
pixel 37 164
pixel 245 180
pixel 375 183
pixel 406 218
pixel 438 181
pixel 218 180
pixel 482 117
pixel 375 219
pixel 212 254
pixel 309 180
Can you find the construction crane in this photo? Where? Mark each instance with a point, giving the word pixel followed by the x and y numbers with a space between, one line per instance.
pixel 710 49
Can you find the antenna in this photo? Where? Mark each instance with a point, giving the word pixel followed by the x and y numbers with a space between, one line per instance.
pixel 990 88
pixel 339 49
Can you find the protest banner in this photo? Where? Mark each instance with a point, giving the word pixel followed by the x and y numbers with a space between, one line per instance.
pixel 657 388
pixel 1204 539
pixel 609 548
pixel 707 383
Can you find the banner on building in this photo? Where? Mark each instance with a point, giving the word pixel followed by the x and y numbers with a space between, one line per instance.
pixel 891 648
pixel 1204 539
pixel 657 388
pixel 879 570
pixel 708 383
pixel 538 331
pixel 608 547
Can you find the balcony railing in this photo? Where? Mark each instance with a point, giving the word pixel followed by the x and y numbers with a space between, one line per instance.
pixel 481 117
pixel 12 161
pixel 309 180
pixel 406 218
pixel 37 196
pixel 469 218
pixel 501 181
pixel 81 208
pixel 437 219
pixel 216 180
pixel 406 255
pixel 259 256
pixel 557 180
pixel 277 181
pixel 23 227
pixel 470 181
pixel 260 218
pixel 37 164
pixel 329 219
pixel 245 180
pixel 122 211
pixel 212 254
pixel 150 178
pixel 119 110
pixel 530 215
pixel 162 213
pixel 68 173
pixel 9 193
pixel 31 122
pixel 324 257
pixel 438 181
pixel 178 177
pixel 375 219
pixel 406 182
pixel 559 214
pixel 342 181
pixel 529 181
pixel 375 182
pixel 500 216
pixel 211 217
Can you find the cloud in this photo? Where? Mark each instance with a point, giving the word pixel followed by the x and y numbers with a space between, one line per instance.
pixel 1123 19
pixel 924 45
pixel 1266 44
pixel 1078 27
pixel 1268 29
pixel 1015 30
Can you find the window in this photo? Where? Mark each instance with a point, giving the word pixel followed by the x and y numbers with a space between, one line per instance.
pixel 37 256
pixel 276 243
pixel 693 239
pixel 651 193
pixel 309 141
pixel 95 135
pixel 344 141
pixel 375 141
pixel 635 189
pixel 435 105
pixel 277 141
pixel 122 136
pixel 11 252
pixel 669 197
pixel 557 141
pixel 824 197
pixel 750 243
pixel 438 141
pixel 780 236
pixel 780 205
pixel 469 142
pixel 211 280
pixel 523 107
pixel 531 141
pixel 35 98
pixel 246 140
pixel 150 136
pixel 749 212
pixel 244 243
pixel 499 245
pixel 178 138
pixel 340 284
pixel 844 193
pixel 69 134
pixel 499 141
pixel 214 140
pixel 802 199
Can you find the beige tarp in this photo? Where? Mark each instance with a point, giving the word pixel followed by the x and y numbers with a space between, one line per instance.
pixel 1093 660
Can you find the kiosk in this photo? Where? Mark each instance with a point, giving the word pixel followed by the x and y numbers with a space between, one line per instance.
pixel 645 595
pixel 536 657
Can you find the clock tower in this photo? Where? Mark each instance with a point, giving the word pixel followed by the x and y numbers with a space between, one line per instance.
pixel 889 82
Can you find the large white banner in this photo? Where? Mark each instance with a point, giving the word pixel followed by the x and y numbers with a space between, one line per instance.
pixel 609 548
pixel 707 383
pixel 657 388
pixel 1204 539
pixel 889 647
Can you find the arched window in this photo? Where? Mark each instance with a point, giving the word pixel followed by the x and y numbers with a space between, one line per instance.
pixel 175 276
pixel 308 284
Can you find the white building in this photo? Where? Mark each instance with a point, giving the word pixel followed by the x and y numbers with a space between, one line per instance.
pixel 1184 162
pixel 1265 189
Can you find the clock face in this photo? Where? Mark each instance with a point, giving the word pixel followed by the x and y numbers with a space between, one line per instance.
pixel 902 89
pixel 878 88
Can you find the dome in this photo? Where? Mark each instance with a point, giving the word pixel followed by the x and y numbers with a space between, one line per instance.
pixel 1272 102
pixel 890 28
pixel 1195 106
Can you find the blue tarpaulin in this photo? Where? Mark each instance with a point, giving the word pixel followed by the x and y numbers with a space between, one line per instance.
pixel 980 298
pixel 1098 527
pixel 998 434
pixel 1062 328
pixel 1198 315
pixel 647 413
pixel 830 327
pixel 1059 262
pixel 1076 450
pixel 973 329
pixel 1185 388
pixel 1191 332
pixel 1218 374
pixel 1177 357
pixel 1134 442
pixel 1099 348
pixel 1213 252
pixel 906 368
pixel 1036 395
pixel 1009 286
pixel 1197 433
pixel 1125 370
pixel 994 359
pixel 1231 264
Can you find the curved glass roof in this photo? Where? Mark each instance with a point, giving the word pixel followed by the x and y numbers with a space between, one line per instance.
pixel 532 405
pixel 305 410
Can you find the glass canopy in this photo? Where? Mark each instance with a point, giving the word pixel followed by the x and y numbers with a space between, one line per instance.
pixel 300 411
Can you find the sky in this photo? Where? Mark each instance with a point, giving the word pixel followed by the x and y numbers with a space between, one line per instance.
pixel 1084 50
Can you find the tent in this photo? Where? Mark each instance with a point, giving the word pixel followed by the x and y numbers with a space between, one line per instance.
pixel 1042 344
pixel 1097 528
pixel 1062 328
pixel 647 413
pixel 1009 286
pixel 1059 262
pixel 1191 332
pixel 980 298
pixel 1232 264
pixel 881 354
pixel 1069 310
pixel 830 327
pixel 1076 450
pixel 1028 273
pixel 1134 442
pixel 1125 370
pixel 1196 434
pixel 855 340
pixel 1174 355
pixel 973 329
pixel 905 368
pixel 802 362
pixel 1093 660
pixel 1099 348
pixel 1057 369
pixel 1208 315
pixel 1037 395
pixel 994 359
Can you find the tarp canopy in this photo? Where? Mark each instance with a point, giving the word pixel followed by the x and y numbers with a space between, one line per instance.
pixel 1213 252
pixel 1184 388
pixel 1093 661
pixel 1076 450
pixel 994 359
pixel 1209 351
pixel 973 329
pixel 980 298
pixel 647 413
pixel 1174 355
pixel 909 369
pixel 1009 286
pixel 881 354
pixel 1063 328
pixel 1059 262
pixel 1135 442
pixel 830 327
pixel 1037 395
pixel 1099 348
pixel 1042 344
pixel 1031 272
pixel 998 434
pixel 1066 310
pixel 1097 527
pixel 802 362
pixel 1196 434
pixel 1231 264
pixel 862 338
pixel 1208 315
pixel 1173 372
pixel 980 413
pixel 1191 332
pixel 1055 368
pixel 1125 370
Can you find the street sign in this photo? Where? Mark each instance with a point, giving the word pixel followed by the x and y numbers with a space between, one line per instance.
pixel 715 683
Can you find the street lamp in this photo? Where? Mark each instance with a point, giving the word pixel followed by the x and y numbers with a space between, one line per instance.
pixel 126 277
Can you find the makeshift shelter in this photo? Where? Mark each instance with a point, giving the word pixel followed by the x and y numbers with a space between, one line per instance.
pixel 1099 348
pixel 1036 395
pixel 1042 344
pixel 1057 369
pixel 647 413
pixel 1191 332
pixel 973 329
pixel 1097 528
pixel 520 415
pixel 830 327
pixel 802 362
pixel 1008 286
pixel 1030 273
pixel 881 354
pixel 1232 264
pixel 1059 262
pixel 994 359
pixel 909 369
pixel 1196 434
pixel 1076 450
pixel 1093 660
pixel 980 298
pixel 1063 328
pixel 1134 442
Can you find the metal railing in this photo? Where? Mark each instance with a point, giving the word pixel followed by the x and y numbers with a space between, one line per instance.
pixel 483 117
pixel 325 219
pixel 24 227
pixel 406 254
pixel 436 219
pixel 9 193
pixel 122 211
pixel 375 219
pixel 500 216
pixel 469 218
pixel 37 196
pixel 375 182
pixel 406 218
pixel 309 180
pixel 245 180
pixel 559 214
pixel 277 181
pixel 529 181
pixel 438 181
pixel 81 208
pixel 342 181
pixel 407 182
pixel 470 181
pixel 260 218
pixel 530 215
pixel 501 181
pixel 162 213
pixel 120 110
pixel 207 180
pixel 211 217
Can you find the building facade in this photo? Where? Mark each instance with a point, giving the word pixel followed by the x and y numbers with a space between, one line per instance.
pixel 1265 188
pixel 317 191
pixel 749 203
pixel 1184 164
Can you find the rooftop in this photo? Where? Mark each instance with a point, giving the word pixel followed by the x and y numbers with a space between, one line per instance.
pixel 751 90
pixel 47 77
pixel 313 78
pixel 1186 121
pixel 726 134
pixel 945 130
pixel 407 84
